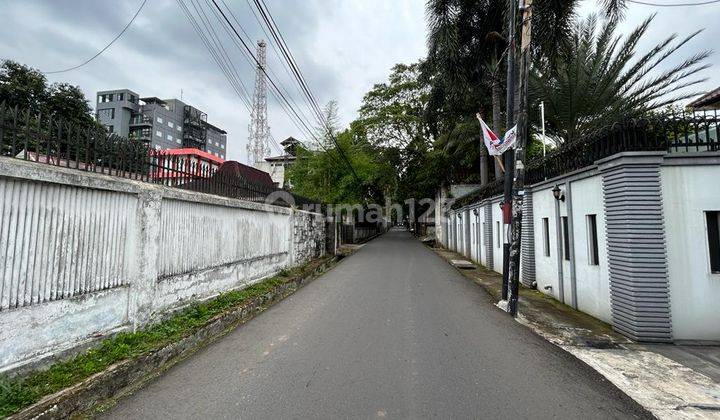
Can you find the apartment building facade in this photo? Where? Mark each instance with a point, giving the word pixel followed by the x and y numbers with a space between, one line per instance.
pixel 162 123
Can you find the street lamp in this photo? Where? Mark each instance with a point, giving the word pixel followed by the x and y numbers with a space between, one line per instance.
pixel 558 194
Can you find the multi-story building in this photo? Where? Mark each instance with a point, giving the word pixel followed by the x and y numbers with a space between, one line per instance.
pixel 162 123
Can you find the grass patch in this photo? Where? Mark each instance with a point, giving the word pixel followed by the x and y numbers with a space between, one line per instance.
pixel 24 390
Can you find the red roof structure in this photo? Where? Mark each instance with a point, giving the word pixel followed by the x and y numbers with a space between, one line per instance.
pixel 256 176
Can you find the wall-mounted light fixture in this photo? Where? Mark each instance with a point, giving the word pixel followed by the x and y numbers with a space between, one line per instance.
pixel 558 193
pixel 475 212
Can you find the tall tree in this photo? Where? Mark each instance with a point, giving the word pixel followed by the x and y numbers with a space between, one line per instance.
pixel 22 86
pixel 599 78
pixel 28 89
pixel 323 174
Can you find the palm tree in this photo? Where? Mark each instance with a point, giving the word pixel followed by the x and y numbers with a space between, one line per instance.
pixel 597 78
pixel 466 61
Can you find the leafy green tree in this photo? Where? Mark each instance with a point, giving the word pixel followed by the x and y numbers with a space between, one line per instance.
pixel 68 102
pixel 392 113
pixel 599 78
pixel 324 175
pixel 27 88
pixel 22 86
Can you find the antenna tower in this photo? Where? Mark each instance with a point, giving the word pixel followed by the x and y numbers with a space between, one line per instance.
pixel 258 146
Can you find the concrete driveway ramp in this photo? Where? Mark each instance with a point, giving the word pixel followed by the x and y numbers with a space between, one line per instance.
pixel 463 264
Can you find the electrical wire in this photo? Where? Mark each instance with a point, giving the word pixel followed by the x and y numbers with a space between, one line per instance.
pixel 273 84
pixel 277 34
pixel 106 47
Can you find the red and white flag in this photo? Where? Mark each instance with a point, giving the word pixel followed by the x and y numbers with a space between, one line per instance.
pixel 495 145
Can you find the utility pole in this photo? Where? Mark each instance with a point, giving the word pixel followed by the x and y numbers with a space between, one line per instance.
pixel 522 140
pixel 509 156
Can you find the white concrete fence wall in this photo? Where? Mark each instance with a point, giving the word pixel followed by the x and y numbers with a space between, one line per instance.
pixel 687 190
pixel 83 255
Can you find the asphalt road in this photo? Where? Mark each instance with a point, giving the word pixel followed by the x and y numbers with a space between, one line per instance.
pixel 392 331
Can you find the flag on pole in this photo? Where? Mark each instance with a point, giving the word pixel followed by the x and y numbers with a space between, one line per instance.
pixel 495 145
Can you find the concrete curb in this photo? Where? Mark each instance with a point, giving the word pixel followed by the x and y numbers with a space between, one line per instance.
pixel 133 373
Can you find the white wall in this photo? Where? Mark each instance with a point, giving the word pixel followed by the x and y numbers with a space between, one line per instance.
pixel 593 283
pixel 688 191
pixel 497 250
pixel 277 172
pixel 477 249
pixel 86 254
pixel 483 249
pixel 546 267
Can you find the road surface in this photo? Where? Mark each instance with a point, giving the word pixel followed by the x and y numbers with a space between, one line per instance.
pixel 391 332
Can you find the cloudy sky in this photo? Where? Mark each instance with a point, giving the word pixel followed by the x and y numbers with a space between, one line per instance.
pixel 343 47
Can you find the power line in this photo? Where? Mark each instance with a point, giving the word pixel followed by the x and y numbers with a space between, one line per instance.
pixel 647 3
pixel 272 26
pixel 305 130
pixel 220 56
pixel 106 47
pixel 275 50
pixel 272 82
pixel 248 54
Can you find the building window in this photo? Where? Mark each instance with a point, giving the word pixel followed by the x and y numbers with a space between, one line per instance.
pixel 157 147
pixel 222 146
pixel 222 156
pixel 110 129
pixel 170 124
pixel 177 141
pixel 713 230
pixel 593 258
pixel 546 236
pixel 178 128
pixel 133 99
pixel 106 113
pixel 566 238
pixel 217 144
pixel 158 133
pixel 121 96
pixel 498 234
pixel 169 137
pixel 159 120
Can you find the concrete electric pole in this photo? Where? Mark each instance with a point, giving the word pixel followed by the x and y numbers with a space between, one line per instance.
pixel 522 141
pixel 258 146
pixel 509 156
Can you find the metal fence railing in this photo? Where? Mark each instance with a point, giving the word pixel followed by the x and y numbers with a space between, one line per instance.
pixel 675 132
pixel 88 147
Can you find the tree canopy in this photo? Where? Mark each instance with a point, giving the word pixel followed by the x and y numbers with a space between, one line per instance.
pixel 28 89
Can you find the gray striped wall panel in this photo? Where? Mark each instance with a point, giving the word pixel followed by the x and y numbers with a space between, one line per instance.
pixel 527 245
pixel 488 237
pixel 637 256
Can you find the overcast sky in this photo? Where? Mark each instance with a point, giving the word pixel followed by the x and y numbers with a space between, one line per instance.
pixel 342 47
